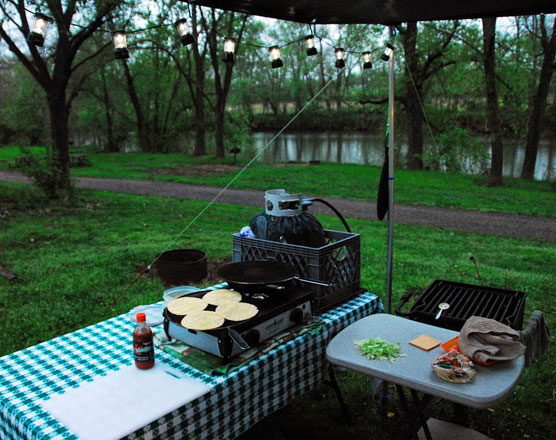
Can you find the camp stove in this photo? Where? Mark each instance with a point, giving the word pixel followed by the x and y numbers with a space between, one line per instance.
pixel 277 312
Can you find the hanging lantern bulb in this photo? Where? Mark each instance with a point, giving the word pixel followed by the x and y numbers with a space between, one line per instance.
pixel 310 43
pixel 120 45
pixel 229 49
pixel 387 52
pixel 184 32
pixel 275 57
pixel 36 36
pixel 367 60
pixel 339 58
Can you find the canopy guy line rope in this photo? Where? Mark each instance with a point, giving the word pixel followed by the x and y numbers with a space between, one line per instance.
pixel 230 183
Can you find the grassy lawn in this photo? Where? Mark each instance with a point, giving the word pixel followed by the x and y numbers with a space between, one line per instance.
pixel 430 188
pixel 73 262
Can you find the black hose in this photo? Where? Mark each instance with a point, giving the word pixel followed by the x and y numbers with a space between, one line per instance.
pixel 335 211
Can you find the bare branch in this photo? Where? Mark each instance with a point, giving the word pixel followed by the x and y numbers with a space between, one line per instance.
pixel 90 57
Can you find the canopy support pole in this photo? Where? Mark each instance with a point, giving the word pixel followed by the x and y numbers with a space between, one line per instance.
pixel 390 177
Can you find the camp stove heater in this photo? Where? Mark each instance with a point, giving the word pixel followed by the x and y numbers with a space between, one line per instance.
pixel 277 312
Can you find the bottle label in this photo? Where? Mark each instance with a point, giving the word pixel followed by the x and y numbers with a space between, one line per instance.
pixel 143 351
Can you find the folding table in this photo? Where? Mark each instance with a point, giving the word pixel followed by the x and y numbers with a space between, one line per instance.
pixel 234 403
pixel 414 371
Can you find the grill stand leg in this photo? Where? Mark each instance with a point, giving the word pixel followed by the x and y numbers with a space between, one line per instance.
pixel 414 414
pixel 334 384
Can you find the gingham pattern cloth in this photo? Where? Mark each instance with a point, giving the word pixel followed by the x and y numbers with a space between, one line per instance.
pixel 236 402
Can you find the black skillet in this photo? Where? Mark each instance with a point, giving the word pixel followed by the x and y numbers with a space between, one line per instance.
pixel 258 274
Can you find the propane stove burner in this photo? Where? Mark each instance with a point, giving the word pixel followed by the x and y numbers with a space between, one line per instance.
pixel 277 312
pixel 258 296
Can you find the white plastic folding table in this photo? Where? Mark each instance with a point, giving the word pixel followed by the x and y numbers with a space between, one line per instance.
pixel 491 386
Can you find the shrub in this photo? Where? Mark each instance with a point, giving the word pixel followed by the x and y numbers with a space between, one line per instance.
pixel 42 173
pixel 456 150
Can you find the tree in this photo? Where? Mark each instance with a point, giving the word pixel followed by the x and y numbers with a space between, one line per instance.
pixel 55 74
pixel 496 163
pixel 416 74
pixel 222 80
pixel 539 100
pixel 21 115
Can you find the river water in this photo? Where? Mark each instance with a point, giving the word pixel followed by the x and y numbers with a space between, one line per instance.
pixel 368 149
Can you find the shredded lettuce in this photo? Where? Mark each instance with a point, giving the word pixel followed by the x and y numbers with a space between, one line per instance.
pixel 379 349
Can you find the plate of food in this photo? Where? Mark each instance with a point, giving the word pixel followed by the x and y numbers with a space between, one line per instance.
pixel 452 344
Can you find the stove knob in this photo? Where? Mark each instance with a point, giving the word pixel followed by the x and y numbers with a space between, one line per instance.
pixel 296 316
pixel 252 337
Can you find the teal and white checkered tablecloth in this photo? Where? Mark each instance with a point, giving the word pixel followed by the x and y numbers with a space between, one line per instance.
pixel 236 402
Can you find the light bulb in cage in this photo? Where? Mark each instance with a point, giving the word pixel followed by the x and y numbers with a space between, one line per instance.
pixel 229 49
pixel 387 52
pixel 367 60
pixel 339 57
pixel 310 43
pixel 37 34
pixel 275 57
pixel 184 32
pixel 120 45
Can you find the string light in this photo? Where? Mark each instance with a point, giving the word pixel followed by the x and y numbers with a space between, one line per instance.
pixel 339 57
pixel 310 43
pixel 387 52
pixel 229 49
pixel 367 60
pixel 36 36
pixel 120 45
pixel 184 32
pixel 275 57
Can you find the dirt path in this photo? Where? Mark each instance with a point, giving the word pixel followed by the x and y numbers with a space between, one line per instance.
pixel 507 225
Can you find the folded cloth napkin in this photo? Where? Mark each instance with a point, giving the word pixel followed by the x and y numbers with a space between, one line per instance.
pixel 487 340
pixel 535 337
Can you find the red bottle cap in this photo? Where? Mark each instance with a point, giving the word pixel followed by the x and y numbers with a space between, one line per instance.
pixel 141 317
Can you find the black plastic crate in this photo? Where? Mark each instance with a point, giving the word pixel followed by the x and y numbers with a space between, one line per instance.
pixel 337 263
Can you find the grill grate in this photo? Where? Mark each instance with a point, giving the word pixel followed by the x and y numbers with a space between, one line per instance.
pixel 466 300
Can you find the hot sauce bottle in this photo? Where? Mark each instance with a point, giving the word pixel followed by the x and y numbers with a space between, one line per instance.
pixel 143 348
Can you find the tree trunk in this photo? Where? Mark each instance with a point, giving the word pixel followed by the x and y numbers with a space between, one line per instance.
pixel 323 77
pixel 552 139
pixel 339 92
pixel 59 135
pixel 413 106
pixel 142 131
pixel 5 134
pixel 199 90
pixel 200 130
pixel 539 104
pixel 495 174
pixel 219 131
pixel 111 145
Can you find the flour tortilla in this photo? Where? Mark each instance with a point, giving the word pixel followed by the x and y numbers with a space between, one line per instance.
pixel 237 311
pixel 184 306
pixel 221 296
pixel 202 320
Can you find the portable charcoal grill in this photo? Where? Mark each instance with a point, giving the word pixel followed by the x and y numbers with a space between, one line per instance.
pixel 465 300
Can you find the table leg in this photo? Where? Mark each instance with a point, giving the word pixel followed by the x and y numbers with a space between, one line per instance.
pixel 414 414
pixel 334 384
pixel 384 397
pixel 421 404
